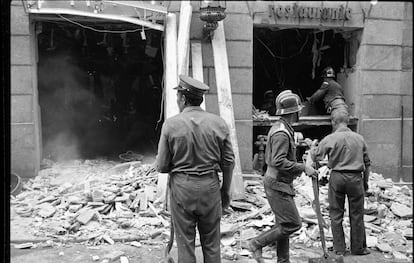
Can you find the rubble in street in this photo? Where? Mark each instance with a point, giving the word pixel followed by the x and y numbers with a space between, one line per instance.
pixel 105 202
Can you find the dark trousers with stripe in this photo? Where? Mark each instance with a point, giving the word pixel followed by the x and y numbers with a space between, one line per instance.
pixel 348 184
pixel 196 202
pixel 287 220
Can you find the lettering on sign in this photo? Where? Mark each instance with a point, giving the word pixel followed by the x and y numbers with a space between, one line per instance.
pixel 296 11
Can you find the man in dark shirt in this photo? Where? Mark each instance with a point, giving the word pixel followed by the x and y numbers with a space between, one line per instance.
pixel 331 92
pixel 282 168
pixel 195 145
pixel 348 158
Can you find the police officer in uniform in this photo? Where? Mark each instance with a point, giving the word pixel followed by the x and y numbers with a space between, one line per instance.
pixel 331 92
pixel 282 168
pixel 348 158
pixel 194 146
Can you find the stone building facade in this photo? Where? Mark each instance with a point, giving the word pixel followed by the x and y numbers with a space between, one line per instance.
pixel 379 88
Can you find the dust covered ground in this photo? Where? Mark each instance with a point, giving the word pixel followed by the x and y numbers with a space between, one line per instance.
pixel 75 210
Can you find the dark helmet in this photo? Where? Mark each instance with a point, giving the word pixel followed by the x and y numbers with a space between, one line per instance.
pixel 328 72
pixel 287 102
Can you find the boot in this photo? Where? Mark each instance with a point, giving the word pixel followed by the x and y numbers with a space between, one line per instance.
pixel 283 251
pixel 268 237
pixel 256 250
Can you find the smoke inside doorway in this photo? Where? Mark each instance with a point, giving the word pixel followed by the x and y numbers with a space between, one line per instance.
pixel 99 92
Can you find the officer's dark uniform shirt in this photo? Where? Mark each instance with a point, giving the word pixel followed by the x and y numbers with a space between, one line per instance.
pixel 329 91
pixel 280 156
pixel 194 142
pixel 346 150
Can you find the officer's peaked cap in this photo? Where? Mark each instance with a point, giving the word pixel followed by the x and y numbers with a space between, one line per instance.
pixel 192 86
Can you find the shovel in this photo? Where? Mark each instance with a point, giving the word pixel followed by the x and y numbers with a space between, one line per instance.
pixel 167 256
pixel 325 258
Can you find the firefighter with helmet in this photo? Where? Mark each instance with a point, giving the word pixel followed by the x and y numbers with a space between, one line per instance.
pixel 282 168
pixel 331 92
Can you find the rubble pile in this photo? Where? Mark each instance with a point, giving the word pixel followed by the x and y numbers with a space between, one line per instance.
pixel 115 200
pixel 259 115
pixel 388 218
pixel 111 200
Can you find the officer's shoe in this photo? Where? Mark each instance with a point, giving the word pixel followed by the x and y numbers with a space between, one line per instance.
pixel 363 252
pixel 256 250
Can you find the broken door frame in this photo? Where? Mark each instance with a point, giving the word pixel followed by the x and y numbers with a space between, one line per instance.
pixel 128 11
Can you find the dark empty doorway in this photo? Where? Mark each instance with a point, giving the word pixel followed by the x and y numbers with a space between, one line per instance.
pixel 100 88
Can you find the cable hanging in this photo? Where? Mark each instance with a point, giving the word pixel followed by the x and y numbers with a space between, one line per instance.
pixel 279 57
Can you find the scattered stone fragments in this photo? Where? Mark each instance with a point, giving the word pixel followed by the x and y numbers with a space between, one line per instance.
pixel 24 245
pixel 115 202
pixel 384 247
pixel 401 210
pixel 136 244
pixel 114 255
pixel 46 210
pixel 85 216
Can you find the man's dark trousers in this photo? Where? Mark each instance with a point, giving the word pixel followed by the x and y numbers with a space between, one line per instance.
pixel 196 201
pixel 351 185
pixel 287 220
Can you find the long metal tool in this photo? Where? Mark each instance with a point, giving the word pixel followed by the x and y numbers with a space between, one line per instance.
pixel 167 256
pixel 325 258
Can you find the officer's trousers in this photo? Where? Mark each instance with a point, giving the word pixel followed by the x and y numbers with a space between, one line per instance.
pixel 287 220
pixel 196 202
pixel 351 185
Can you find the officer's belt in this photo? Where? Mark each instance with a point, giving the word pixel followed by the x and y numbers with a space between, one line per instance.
pixel 197 174
pixel 348 171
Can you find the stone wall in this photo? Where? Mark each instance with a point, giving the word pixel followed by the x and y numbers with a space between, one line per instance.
pixel 385 83
pixel 25 116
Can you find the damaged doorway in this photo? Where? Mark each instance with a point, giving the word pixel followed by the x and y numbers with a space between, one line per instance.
pixel 294 58
pixel 100 88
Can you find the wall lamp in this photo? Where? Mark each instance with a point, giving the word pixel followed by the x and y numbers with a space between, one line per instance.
pixel 211 12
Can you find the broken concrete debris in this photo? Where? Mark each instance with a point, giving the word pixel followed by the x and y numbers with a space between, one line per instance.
pixel 114 255
pixel 121 202
pixel 85 216
pixel 124 259
pixel 401 210
pixel 24 245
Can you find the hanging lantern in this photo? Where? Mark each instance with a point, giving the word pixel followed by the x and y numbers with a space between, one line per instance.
pixel 211 12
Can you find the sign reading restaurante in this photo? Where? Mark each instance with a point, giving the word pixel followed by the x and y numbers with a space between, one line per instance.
pixel 296 11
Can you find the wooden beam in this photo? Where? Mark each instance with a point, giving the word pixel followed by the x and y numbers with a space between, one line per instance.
pixel 183 37
pixel 197 65
pixel 171 80
pixel 225 102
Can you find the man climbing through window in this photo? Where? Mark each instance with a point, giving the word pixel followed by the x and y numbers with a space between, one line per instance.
pixel 331 92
